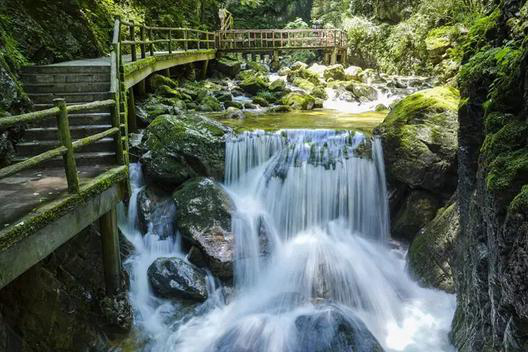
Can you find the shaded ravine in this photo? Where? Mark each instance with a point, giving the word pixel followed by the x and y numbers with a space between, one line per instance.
pixel 315 269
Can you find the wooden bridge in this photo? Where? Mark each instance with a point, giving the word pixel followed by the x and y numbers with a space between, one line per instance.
pixel 71 168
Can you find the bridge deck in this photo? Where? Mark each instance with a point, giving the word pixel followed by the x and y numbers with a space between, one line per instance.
pixel 26 191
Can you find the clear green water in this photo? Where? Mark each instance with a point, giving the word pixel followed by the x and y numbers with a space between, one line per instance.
pixel 314 119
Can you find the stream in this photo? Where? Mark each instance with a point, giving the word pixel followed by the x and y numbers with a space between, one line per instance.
pixel 315 268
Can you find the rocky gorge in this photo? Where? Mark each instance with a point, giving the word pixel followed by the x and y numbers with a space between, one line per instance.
pixel 217 158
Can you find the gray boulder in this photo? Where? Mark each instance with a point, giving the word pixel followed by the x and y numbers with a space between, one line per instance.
pixel 175 278
pixel 204 219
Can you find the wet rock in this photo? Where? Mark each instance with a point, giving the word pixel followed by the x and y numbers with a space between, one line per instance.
pixel 234 113
pixel 209 104
pixel 280 108
pixel 117 312
pixel 258 67
pixel 430 256
pixel 330 329
pixel 362 92
pixel 183 147
pixel 353 73
pixel 304 84
pixel 204 219
pixel 253 84
pixel 417 210
pixel 175 278
pixel 223 96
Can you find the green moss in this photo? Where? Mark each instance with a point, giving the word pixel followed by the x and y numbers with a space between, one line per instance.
pixel 299 101
pixel 507 170
pixel 441 37
pixel 304 84
pixel 482 32
pixel 520 202
pixel 419 105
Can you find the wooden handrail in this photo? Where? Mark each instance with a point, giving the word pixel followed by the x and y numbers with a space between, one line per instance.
pixel 68 147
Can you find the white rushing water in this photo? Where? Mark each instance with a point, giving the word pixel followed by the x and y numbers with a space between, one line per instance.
pixel 313 257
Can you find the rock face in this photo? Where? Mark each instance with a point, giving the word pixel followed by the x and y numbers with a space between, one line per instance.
pixel 420 147
pixel 204 219
pixel 175 278
pixel 60 304
pixel 491 261
pixel 417 210
pixel 182 147
pixel 430 257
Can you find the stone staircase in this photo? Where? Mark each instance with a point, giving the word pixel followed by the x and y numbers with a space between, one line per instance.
pixel 77 85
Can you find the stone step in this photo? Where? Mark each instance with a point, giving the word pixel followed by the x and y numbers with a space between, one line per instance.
pixel 65 69
pixel 30 149
pixel 51 134
pixel 81 158
pixel 79 98
pixel 66 88
pixel 45 78
pixel 81 119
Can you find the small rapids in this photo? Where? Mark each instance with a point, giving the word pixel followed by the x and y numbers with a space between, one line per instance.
pixel 315 268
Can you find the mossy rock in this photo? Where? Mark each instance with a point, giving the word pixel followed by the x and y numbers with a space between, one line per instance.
pixel 155 106
pixel 254 84
pixel 299 101
pixel 304 84
pixel 203 218
pixel 420 140
pixel 430 256
pixel 362 92
pixel 416 211
pixel 277 86
pixel 260 101
pixel 227 66
pixel 439 40
pixel 258 67
pixel 304 73
pixel 320 93
pixel 335 72
pixel 210 104
pixel 157 81
pixel 182 147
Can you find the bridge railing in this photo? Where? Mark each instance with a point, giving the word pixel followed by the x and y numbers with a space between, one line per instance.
pixel 142 40
pixel 67 147
pixel 284 39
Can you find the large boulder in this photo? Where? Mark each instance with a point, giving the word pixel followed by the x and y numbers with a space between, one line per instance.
pixel 329 329
pixel 362 92
pixel 175 278
pixel 299 101
pixel 353 73
pixel 228 66
pixel 430 256
pixel 253 84
pixel 183 147
pixel 335 72
pixel 420 140
pixel 203 217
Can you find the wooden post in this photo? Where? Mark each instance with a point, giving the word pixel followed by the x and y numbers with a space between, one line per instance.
pixel 333 58
pixel 111 256
pixel 118 141
pixel 151 38
pixel 141 88
pixel 65 138
pixel 275 62
pixel 185 43
pixel 170 41
pixel 133 39
pixel 132 123
pixel 143 45
pixel 203 70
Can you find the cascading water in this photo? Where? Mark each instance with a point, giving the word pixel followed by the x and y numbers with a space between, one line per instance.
pixel 314 268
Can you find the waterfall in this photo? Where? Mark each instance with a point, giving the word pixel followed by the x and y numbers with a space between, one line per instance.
pixel 311 230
